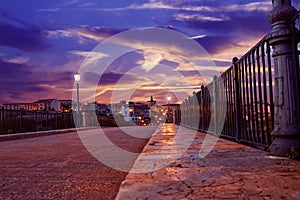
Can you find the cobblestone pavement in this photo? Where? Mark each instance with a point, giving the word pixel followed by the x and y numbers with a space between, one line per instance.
pixel 59 167
pixel 229 171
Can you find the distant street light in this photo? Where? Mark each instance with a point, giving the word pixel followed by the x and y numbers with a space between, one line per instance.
pixel 77 80
pixel 169 99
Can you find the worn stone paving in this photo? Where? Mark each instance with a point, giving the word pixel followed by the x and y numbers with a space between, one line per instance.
pixel 60 167
pixel 229 171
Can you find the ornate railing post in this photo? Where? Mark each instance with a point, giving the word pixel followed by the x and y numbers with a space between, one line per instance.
pixel 286 133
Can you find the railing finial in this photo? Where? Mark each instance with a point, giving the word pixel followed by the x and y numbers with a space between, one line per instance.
pixel 234 60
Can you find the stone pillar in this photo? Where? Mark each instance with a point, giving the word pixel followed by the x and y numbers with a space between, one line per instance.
pixel 286 133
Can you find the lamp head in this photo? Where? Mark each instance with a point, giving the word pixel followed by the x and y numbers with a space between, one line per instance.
pixel 77 77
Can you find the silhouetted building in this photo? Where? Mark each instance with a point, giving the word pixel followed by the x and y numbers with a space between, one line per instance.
pixel 65 105
pixel 19 106
pixel 151 102
pixel 47 104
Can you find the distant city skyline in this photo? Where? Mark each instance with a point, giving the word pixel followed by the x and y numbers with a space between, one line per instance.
pixel 69 100
pixel 43 43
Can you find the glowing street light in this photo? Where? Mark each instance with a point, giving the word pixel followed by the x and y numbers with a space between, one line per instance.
pixel 77 77
pixel 169 98
pixel 77 80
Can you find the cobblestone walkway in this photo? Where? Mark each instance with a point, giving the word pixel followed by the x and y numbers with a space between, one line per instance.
pixel 229 171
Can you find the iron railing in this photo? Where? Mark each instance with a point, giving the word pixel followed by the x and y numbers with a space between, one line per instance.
pixel 20 121
pixel 16 121
pixel 248 96
pixel 254 102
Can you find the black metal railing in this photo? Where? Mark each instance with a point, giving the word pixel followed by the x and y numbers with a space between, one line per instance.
pixel 16 121
pixel 255 107
pixel 20 121
pixel 248 95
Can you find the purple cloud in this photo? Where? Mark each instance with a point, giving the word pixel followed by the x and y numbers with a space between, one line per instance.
pixel 22 82
pixel 22 36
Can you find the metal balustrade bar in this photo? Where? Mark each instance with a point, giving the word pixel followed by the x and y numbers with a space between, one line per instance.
pixel 248 96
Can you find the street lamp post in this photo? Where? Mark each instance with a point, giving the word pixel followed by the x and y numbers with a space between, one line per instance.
pixel 169 99
pixel 77 80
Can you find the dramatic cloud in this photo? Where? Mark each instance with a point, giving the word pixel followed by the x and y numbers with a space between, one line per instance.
pixel 23 38
pixel 199 18
pixel 159 5
pixel 196 6
pixel 30 83
pixel 84 33
pixel 20 59
pixel 265 6
pixel 90 57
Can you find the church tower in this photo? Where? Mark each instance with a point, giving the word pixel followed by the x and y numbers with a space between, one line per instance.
pixel 151 102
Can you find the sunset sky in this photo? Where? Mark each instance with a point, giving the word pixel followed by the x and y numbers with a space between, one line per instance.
pixel 43 43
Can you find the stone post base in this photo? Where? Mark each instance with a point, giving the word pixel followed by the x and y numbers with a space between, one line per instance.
pixel 283 146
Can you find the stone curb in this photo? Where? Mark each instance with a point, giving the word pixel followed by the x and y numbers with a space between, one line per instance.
pixel 17 136
pixel 229 171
